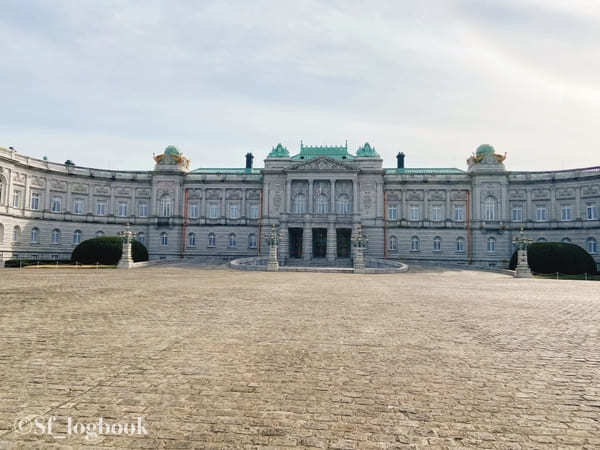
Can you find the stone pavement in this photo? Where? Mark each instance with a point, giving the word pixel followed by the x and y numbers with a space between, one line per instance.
pixel 227 359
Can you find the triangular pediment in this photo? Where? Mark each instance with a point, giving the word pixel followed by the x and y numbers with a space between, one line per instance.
pixel 321 163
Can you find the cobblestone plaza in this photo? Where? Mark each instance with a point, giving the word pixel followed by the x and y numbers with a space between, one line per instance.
pixel 221 359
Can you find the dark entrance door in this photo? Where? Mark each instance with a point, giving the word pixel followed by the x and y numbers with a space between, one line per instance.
pixel 319 242
pixel 295 242
pixel 343 242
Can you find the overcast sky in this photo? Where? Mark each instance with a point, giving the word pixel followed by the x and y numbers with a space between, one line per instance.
pixel 107 83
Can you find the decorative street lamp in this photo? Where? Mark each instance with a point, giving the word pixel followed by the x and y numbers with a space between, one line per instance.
pixel 522 270
pixel 126 261
pixel 359 242
pixel 273 241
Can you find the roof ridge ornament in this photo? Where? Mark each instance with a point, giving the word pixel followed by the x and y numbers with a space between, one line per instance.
pixel 366 151
pixel 279 151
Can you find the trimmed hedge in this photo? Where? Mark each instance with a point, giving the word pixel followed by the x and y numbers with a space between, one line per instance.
pixel 552 257
pixel 106 250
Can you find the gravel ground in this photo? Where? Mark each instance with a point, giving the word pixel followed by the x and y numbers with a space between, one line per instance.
pixel 229 359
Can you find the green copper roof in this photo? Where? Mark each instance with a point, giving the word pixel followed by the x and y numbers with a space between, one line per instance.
pixel 279 152
pixel 423 171
pixel 485 149
pixel 171 150
pixel 232 171
pixel 335 152
pixel 366 151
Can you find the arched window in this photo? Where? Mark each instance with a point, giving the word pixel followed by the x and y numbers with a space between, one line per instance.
pixel 566 240
pixel 1 233
pixel 99 233
pixel 192 239
pixel 55 236
pixel 541 239
pixel 460 245
pixel 212 240
pixel 592 245
pixel 164 239
pixel 16 233
pixel 141 237
pixel 393 243
pixel 343 205
pixel 299 204
pixel 489 209
pixel 77 237
pixel 35 235
pixel 165 207
pixel 322 204
pixel 437 244
pixel 232 243
pixel 414 244
pixel 491 245
pixel 251 240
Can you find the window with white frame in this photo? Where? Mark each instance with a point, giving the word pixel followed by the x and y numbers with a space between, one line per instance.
pixel 164 239
pixel 191 239
pixel 234 211
pixel 517 214
pixel 56 204
pixel 78 206
pixel 393 243
pixel 252 240
pixel 141 237
pixel 414 244
pixel 591 211
pixel 16 199
pixel 460 245
pixel 77 237
pixel 35 235
pixel 541 214
pixel 491 245
pixel 343 205
pixel 165 207
pixel 592 245
pixel 566 213
pixel 489 209
pixel 232 242
pixel 254 211
pixel 122 209
pixel 436 213
pixel 414 213
pixel 299 204
pixel 55 236
pixel 143 209
pixel 99 233
pixel 194 210
pixel 437 244
pixel 213 211
pixel 459 213
pixel 100 208
pixel 16 233
pixel 322 204
pixel 35 201
pixel 392 212
pixel 212 240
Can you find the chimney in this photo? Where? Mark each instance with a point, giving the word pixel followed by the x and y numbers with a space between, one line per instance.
pixel 400 158
pixel 249 159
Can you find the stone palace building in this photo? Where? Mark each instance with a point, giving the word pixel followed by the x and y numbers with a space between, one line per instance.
pixel 317 198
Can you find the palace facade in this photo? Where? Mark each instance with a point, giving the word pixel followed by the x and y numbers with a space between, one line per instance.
pixel 317 198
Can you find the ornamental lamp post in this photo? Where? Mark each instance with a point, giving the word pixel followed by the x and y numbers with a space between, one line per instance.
pixel 522 269
pixel 126 261
pixel 359 242
pixel 273 241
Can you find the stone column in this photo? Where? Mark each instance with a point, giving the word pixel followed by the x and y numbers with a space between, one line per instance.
pixel 355 197
pixel 310 197
pixel 307 238
pixel 332 194
pixel 331 240
pixel 284 239
pixel 358 261
pixel 288 202
pixel 243 212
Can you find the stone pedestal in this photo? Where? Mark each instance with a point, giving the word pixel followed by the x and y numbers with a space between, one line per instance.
pixel 522 270
pixel 359 260
pixel 273 264
pixel 126 261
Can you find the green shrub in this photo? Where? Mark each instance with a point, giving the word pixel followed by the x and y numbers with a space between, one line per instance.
pixel 552 257
pixel 106 250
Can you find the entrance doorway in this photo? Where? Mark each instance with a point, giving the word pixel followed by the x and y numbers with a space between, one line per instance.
pixel 295 242
pixel 319 242
pixel 343 236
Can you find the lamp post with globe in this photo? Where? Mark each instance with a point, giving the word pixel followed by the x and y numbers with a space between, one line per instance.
pixel 359 242
pixel 522 269
pixel 273 241
pixel 126 261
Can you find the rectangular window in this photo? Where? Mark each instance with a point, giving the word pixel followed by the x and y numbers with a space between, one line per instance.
pixel 415 213
pixel 213 211
pixel 436 213
pixel 100 208
pixel 56 204
pixel 517 214
pixel 392 212
pixel 234 211
pixel 254 211
pixel 459 213
pixel 122 209
pixel 565 213
pixel 541 214
pixel 16 199
pixel 592 213
pixel 143 210
pixel 78 206
pixel 35 201
pixel 194 210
